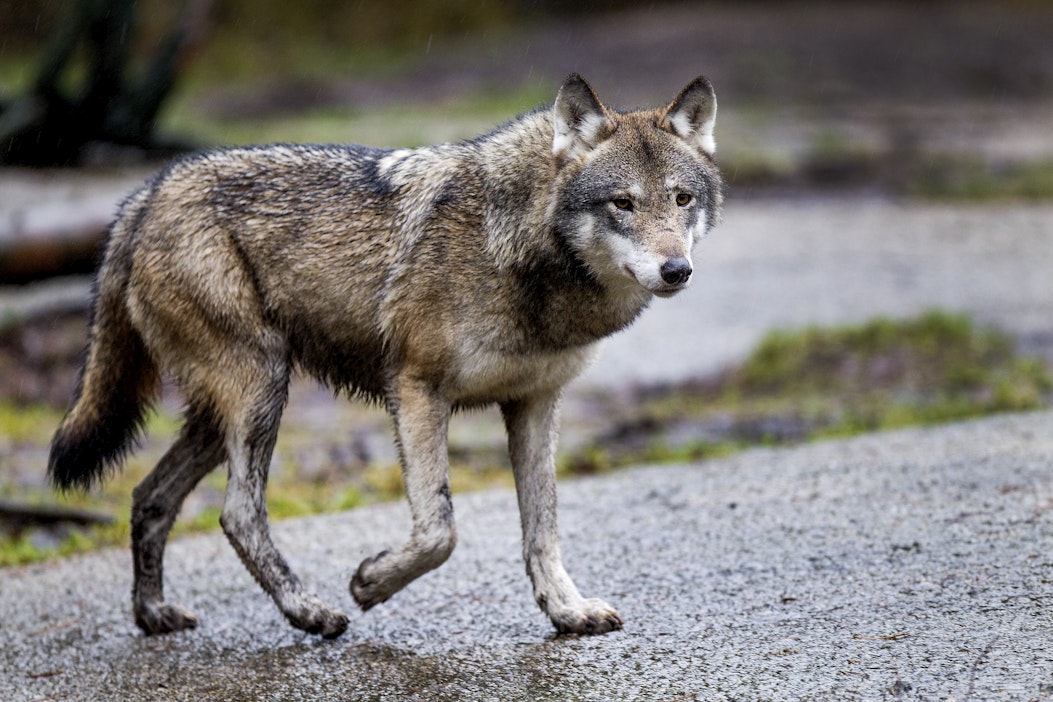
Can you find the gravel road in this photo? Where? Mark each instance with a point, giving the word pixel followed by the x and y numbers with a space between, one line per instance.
pixel 912 565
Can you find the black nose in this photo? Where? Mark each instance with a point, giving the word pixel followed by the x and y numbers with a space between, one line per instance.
pixel 676 271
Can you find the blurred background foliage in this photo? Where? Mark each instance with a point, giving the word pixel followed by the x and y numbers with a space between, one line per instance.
pixel 26 23
pixel 905 95
pixel 266 38
pixel 63 62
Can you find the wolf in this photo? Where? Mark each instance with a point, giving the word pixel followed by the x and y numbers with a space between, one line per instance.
pixel 428 280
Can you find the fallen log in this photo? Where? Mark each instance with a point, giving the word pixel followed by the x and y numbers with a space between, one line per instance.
pixel 16 518
pixel 50 241
pixel 41 304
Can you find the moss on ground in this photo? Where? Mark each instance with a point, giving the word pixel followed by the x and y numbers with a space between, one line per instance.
pixel 814 383
pixel 970 179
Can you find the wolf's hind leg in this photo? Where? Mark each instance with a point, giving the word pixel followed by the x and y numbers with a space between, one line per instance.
pixel 249 444
pixel 155 505
pixel 532 431
pixel 421 420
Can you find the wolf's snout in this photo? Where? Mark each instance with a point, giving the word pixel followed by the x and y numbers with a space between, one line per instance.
pixel 676 271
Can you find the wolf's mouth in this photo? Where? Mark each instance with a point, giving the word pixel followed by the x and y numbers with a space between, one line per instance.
pixel 670 291
pixel 664 291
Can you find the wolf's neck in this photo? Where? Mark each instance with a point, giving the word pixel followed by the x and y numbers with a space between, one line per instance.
pixel 561 305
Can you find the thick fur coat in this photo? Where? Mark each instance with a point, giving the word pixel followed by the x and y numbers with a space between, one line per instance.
pixel 430 279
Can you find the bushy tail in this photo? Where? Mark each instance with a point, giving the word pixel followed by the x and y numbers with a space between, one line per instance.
pixel 118 379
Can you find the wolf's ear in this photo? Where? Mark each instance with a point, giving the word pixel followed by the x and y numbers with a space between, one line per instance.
pixel 692 115
pixel 580 119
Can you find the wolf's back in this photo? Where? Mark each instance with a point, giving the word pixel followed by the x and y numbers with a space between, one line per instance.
pixel 118 378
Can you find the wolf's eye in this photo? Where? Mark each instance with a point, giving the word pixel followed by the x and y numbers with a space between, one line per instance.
pixel 622 203
pixel 682 199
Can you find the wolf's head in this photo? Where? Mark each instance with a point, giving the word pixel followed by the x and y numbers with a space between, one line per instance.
pixel 635 190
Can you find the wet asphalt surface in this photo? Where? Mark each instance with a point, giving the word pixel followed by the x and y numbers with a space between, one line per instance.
pixel 910 565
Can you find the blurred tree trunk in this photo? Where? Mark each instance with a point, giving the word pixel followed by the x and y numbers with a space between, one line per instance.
pixel 51 123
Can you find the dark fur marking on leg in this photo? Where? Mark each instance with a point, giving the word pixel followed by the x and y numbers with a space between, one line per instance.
pixel 156 503
pixel 445 506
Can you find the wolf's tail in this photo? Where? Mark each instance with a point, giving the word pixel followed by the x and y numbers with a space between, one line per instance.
pixel 118 380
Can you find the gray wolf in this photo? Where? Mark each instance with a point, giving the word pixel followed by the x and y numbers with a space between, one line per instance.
pixel 428 280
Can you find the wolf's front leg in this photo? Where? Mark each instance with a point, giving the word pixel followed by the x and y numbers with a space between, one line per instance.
pixel 532 431
pixel 421 420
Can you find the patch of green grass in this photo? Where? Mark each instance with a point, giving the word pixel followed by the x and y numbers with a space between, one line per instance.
pixel 822 382
pixel 399 125
pixel 15 73
pixel 286 497
pixel 313 38
pixel 21 549
pixel 291 493
pixel 604 457
pixel 22 424
pixel 965 179
pixel 890 373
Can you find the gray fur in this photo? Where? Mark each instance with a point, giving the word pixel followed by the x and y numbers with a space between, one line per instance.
pixel 431 279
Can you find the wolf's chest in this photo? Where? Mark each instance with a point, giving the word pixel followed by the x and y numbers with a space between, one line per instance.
pixel 483 375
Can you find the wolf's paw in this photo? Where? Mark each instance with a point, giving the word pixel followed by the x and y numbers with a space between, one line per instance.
pixel 163 618
pixel 369 587
pixel 587 617
pixel 312 616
